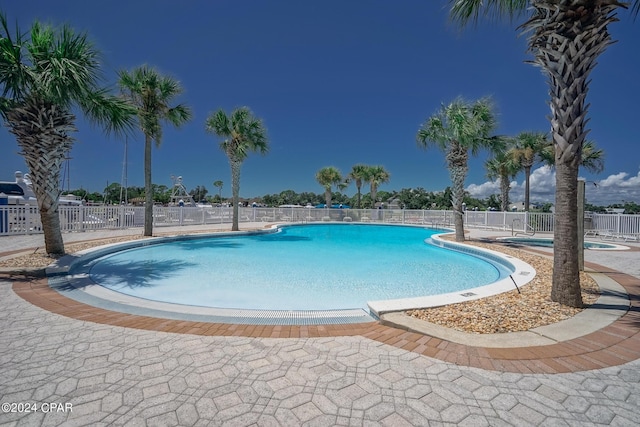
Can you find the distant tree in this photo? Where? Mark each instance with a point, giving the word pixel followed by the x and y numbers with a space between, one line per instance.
pixel 528 149
pixel 287 197
pixel 160 192
pixel 494 202
pixel 219 185
pixel 243 133
pixel 151 93
pixel 359 174
pixel 199 193
pixel 328 177
pixel 417 198
pixel 456 129
pixel 376 175
pixel 502 166
pixel 112 193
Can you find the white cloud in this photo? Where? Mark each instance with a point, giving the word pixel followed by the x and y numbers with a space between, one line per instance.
pixel 541 181
pixel 484 190
pixel 613 189
pixel 542 184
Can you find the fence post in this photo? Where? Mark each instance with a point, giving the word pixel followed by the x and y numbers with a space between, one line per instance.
pixel 4 214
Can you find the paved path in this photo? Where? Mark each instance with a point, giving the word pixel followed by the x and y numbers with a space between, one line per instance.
pixel 114 375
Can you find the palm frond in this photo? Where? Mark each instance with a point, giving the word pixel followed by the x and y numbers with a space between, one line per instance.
pixel 115 114
pixel 466 11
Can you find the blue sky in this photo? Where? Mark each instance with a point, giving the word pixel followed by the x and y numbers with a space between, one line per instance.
pixel 336 83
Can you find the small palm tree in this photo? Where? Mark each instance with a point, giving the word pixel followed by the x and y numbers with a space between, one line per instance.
pixel 150 92
pixel 328 177
pixel 359 174
pixel 243 134
pixel 591 157
pixel 219 184
pixel 502 166
pixel 566 38
pixel 43 78
pixel 527 150
pixel 376 175
pixel 458 128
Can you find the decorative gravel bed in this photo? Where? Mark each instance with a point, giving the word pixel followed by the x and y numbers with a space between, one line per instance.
pixel 507 312
pixel 511 311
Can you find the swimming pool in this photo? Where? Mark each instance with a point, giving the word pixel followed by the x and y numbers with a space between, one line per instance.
pixel 291 269
pixel 548 242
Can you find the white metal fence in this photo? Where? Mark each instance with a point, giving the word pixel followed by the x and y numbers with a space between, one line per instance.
pixel 26 219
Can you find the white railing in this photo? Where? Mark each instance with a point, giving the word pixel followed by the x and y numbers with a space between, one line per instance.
pixel 616 223
pixel 26 219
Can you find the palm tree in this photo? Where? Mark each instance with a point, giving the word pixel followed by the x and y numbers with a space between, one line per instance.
pixel 43 78
pixel 376 175
pixel 591 158
pixel 502 166
pixel 243 134
pixel 458 128
pixel 359 173
pixel 566 38
pixel 328 177
pixel 527 151
pixel 151 94
pixel 219 184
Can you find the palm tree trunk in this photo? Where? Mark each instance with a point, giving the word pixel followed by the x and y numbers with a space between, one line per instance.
pixel 235 192
pixel 359 195
pixel 42 131
pixel 457 158
pixel 458 175
pixel 374 195
pixel 504 191
pixel 327 197
pixel 148 187
pixel 567 38
pixel 566 273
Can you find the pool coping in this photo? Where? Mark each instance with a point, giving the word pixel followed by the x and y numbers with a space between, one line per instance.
pixel 81 288
pixel 523 274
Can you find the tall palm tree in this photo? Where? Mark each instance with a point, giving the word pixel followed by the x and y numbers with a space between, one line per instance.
pixel 458 128
pixel 359 174
pixel 502 166
pixel 566 37
pixel 376 175
pixel 44 77
pixel 151 93
pixel 243 133
pixel 328 177
pixel 219 184
pixel 527 150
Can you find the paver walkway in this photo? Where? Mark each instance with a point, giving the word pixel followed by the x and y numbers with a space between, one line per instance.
pixel 128 370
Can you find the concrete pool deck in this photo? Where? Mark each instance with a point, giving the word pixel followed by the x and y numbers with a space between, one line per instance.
pixel 123 369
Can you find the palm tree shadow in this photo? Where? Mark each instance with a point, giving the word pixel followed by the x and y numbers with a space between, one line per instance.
pixel 137 274
pixel 280 238
pixel 214 243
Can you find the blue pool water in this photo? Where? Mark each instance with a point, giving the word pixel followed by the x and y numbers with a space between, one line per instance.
pixel 309 267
